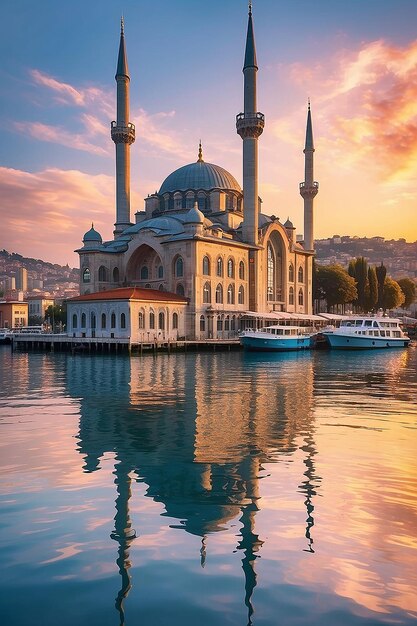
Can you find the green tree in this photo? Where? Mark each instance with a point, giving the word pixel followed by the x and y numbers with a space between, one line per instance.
pixel 334 285
pixel 381 273
pixel 358 269
pixel 373 289
pixel 393 296
pixel 57 315
pixel 408 287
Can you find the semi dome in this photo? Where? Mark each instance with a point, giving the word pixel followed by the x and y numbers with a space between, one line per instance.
pixel 199 175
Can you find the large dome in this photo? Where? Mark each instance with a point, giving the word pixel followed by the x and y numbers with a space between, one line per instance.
pixel 199 175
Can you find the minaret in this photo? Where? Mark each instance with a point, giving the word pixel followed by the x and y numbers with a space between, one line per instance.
pixel 249 126
pixel 123 135
pixel 309 188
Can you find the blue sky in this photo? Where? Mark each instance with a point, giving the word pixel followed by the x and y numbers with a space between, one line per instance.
pixel 357 62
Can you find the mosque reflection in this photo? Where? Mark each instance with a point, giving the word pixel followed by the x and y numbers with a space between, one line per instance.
pixel 197 435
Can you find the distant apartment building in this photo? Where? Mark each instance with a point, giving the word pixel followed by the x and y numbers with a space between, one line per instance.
pixel 38 305
pixel 22 279
pixel 13 314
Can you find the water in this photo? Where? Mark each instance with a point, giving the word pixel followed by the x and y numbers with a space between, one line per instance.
pixel 211 489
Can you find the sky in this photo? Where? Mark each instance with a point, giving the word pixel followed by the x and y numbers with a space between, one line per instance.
pixel 356 61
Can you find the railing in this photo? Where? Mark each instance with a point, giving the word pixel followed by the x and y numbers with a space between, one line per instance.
pixel 313 184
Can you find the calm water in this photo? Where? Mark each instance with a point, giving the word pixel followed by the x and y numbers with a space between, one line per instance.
pixel 210 489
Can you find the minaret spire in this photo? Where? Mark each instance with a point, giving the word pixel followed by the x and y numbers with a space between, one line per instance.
pixel 309 188
pixel 123 135
pixel 250 125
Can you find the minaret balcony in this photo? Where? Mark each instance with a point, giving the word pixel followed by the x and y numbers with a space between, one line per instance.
pixel 309 190
pixel 250 124
pixel 121 133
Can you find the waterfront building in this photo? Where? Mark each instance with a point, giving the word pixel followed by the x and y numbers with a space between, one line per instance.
pixel 202 236
pixel 38 305
pixel 13 313
pixel 22 279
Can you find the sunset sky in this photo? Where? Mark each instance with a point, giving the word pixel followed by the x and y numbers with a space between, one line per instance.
pixel 356 61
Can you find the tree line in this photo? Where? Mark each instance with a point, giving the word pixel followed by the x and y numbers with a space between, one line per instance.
pixel 366 287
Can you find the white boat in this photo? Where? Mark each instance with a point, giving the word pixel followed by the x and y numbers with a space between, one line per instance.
pixel 276 338
pixel 5 335
pixel 367 332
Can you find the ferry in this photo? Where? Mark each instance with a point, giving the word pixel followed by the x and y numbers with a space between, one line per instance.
pixel 276 338
pixel 361 332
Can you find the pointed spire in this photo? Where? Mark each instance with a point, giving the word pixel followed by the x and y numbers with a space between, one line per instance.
pixel 200 153
pixel 309 130
pixel 250 51
pixel 122 68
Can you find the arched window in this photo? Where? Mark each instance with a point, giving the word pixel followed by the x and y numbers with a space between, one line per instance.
pixel 219 294
pixel 113 320
pixel 179 267
pixel 206 266
pixel 141 320
pixel 161 287
pixel 270 273
pixel 86 275
pixel 161 321
pixel 230 268
pixel 103 321
pixel 74 320
pixel 300 275
pixel 206 293
pixel 202 323
pixel 219 266
pixel 233 323
pixel 102 274
pixel 147 286
pixel 123 320
pixel 144 273
pixel 291 295
pixel 83 320
pixel 219 322
pixel 160 271
pixel 116 275
pixel 230 294
pixel 226 322
pixel 241 295
pixel 93 320
pixel 242 270
pixel 291 273
pixel 180 290
pixel 175 321
pixel 152 320
pixel 300 297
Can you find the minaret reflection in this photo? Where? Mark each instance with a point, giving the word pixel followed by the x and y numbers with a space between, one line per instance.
pixel 123 533
pixel 164 419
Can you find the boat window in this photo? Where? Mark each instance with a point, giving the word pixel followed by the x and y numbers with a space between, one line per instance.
pixel 358 322
pixel 376 333
pixel 287 332
pixel 368 322
pixel 382 333
pixel 396 333
pixel 375 324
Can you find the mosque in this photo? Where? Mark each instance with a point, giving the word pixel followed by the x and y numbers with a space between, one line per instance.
pixel 200 261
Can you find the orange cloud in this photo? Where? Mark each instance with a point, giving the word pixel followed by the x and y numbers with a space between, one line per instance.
pixel 45 214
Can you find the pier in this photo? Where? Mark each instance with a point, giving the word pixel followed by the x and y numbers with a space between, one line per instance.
pixel 103 345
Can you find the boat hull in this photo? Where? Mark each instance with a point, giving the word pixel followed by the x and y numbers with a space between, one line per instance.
pixel 267 344
pixel 357 342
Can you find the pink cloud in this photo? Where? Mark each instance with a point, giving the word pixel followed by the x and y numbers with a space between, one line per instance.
pixel 61 136
pixel 45 214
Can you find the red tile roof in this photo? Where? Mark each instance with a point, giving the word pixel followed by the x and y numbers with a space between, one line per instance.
pixel 131 293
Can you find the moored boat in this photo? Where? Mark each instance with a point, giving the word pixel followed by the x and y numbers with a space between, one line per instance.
pixel 5 335
pixel 276 338
pixel 367 332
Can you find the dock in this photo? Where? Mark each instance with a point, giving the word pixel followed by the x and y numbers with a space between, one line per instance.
pixel 105 345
